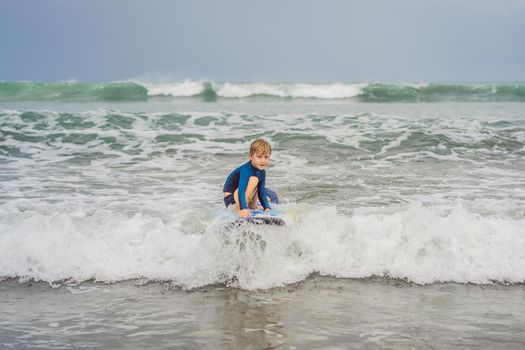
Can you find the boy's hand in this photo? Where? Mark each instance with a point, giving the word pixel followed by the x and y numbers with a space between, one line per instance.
pixel 244 213
pixel 267 209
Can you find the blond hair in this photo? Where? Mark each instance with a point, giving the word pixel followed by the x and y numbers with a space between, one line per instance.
pixel 260 146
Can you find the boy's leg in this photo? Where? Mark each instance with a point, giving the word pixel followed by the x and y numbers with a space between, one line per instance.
pixel 251 191
pixel 252 204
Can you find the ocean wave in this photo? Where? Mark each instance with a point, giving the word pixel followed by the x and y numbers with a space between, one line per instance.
pixel 443 92
pixel 416 243
pixel 363 92
pixel 211 91
pixel 232 90
pixel 72 90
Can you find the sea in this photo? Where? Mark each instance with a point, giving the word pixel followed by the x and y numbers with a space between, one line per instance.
pixel 404 206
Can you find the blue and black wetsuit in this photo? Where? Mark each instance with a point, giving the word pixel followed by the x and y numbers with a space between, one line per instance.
pixel 238 179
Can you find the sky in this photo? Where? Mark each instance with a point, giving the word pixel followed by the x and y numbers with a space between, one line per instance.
pixel 263 41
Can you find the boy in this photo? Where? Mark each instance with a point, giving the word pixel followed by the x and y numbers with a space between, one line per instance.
pixel 247 183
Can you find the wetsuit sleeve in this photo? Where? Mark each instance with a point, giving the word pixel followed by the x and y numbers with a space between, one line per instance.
pixel 244 176
pixel 261 191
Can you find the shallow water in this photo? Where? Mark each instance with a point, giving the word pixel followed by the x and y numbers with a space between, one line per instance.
pixel 318 313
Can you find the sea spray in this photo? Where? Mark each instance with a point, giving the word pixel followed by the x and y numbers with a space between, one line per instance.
pixel 416 243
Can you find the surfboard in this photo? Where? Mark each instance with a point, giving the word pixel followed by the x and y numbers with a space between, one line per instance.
pixel 246 233
pixel 260 220
pixel 256 218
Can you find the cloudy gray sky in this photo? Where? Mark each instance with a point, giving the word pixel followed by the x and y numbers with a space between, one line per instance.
pixel 270 40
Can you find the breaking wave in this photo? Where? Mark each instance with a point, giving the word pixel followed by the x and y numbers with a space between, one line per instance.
pixel 211 91
pixel 419 244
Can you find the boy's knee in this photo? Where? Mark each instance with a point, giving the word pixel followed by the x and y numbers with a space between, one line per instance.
pixel 253 180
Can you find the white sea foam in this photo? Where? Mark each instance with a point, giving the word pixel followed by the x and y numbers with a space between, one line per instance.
pixel 182 89
pixel 189 88
pixel 418 243
pixel 325 91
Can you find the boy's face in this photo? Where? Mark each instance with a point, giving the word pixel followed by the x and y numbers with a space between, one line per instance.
pixel 260 161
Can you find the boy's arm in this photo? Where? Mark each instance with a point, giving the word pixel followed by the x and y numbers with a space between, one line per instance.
pixel 261 192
